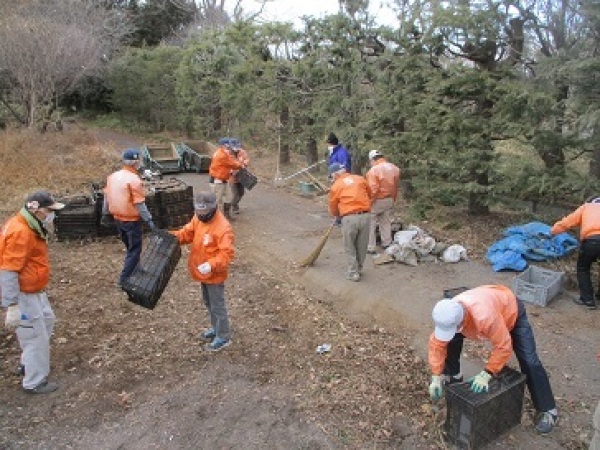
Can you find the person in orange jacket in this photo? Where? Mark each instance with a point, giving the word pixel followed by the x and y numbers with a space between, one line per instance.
pixel 222 164
pixel 350 200
pixel 383 179
pixel 237 188
pixel 490 312
pixel 24 275
pixel 211 237
pixel 587 218
pixel 125 200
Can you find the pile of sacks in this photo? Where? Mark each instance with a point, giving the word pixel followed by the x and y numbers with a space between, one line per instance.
pixel 413 245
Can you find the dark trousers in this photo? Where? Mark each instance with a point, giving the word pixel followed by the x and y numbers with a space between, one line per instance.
pixel 589 252
pixel 523 343
pixel 213 296
pixel 131 235
pixel 238 191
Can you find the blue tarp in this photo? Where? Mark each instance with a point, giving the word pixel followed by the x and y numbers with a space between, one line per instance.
pixel 531 241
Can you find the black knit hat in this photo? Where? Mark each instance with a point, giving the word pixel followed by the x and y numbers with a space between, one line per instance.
pixel 332 139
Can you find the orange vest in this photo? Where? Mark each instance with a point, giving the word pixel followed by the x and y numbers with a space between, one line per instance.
pixel 123 191
pixel 490 314
pixel 349 194
pixel 211 242
pixel 23 251
pixel 587 217
pixel 222 163
pixel 383 179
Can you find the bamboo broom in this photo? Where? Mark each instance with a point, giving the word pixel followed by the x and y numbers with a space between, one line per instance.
pixel 310 259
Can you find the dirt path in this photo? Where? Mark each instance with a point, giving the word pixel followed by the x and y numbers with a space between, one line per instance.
pixel 137 379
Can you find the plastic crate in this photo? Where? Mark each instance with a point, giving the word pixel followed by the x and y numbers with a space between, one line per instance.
pixel 151 276
pixel 473 420
pixel 538 286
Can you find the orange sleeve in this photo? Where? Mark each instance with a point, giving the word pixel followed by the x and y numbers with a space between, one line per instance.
pixel 437 355
pixel 501 346
pixel 185 235
pixel 334 200
pixel 373 184
pixel 137 192
pixel 18 245
pixel 570 221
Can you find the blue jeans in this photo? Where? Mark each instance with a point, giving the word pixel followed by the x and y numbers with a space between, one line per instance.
pixel 523 343
pixel 131 236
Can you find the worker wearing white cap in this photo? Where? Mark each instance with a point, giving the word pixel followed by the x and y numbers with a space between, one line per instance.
pixel 492 313
pixel 383 179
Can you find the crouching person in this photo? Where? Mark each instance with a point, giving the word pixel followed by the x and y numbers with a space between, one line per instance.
pixel 211 239
pixel 24 275
pixel 495 314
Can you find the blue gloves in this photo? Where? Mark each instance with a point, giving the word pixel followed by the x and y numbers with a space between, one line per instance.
pixel 480 382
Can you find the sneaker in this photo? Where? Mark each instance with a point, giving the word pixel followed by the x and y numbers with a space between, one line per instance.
pixel 546 422
pixel 371 251
pixel 354 276
pixel 45 387
pixel 208 335
pixel 218 344
pixel 579 301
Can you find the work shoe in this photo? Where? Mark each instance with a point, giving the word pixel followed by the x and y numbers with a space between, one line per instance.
pixel 45 387
pixel 579 301
pixel 208 335
pixel 371 251
pixel 354 276
pixel 235 209
pixel 218 344
pixel 20 371
pixel 546 422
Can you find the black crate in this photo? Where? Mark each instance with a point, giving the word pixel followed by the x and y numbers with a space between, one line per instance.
pixel 451 293
pixel 150 277
pixel 247 179
pixel 75 221
pixel 473 420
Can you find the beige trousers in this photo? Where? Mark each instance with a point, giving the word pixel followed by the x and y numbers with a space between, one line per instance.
pixel 355 236
pixel 381 214
pixel 223 192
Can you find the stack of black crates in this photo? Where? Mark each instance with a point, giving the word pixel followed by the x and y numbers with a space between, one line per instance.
pixel 473 420
pixel 150 277
pixel 170 201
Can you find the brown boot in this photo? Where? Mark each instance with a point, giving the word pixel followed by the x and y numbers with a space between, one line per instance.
pixel 227 211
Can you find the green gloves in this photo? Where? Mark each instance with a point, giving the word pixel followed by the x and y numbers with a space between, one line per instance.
pixel 435 388
pixel 480 382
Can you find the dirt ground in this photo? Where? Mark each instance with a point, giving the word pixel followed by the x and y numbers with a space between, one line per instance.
pixel 137 379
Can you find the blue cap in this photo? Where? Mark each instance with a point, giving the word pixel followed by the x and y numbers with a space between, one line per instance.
pixel 131 154
pixel 335 168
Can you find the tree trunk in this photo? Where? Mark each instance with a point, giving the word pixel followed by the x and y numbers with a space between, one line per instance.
pixel 284 118
pixel 595 163
pixel 554 155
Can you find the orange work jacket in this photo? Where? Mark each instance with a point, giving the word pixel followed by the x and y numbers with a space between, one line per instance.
pixel 586 217
pixel 222 163
pixel 383 179
pixel 212 242
pixel 123 191
pixel 490 314
pixel 242 156
pixel 24 251
pixel 349 194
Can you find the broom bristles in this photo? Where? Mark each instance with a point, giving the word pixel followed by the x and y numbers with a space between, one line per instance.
pixel 310 259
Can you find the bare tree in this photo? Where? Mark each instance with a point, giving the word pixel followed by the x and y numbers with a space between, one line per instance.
pixel 48 46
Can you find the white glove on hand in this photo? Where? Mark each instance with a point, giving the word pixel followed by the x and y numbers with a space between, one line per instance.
pixel 13 317
pixel 204 268
pixel 435 388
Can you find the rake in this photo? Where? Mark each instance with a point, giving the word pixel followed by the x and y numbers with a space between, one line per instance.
pixel 310 259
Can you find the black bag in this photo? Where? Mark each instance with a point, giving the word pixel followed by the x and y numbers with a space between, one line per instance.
pixel 247 179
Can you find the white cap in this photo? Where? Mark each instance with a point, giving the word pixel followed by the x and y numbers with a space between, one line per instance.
pixel 447 315
pixel 374 154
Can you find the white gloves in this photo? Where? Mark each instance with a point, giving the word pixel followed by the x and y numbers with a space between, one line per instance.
pixel 13 317
pixel 204 268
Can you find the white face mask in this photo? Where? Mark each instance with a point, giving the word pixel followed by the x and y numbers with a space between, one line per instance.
pixel 331 147
pixel 49 217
